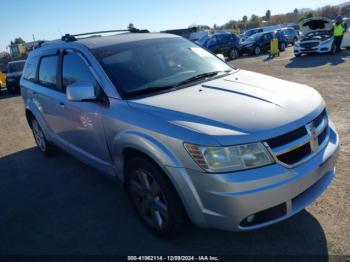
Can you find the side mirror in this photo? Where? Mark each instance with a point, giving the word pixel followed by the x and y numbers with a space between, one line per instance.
pixel 81 91
pixel 221 56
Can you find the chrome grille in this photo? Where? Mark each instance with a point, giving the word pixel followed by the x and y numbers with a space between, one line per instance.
pixel 309 45
pixel 293 147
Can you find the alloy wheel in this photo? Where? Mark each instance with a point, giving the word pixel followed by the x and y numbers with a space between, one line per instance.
pixel 39 136
pixel 148 199
pixel 233 53
pixel 257 50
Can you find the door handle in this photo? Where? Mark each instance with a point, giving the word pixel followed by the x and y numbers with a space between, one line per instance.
pixel 61 104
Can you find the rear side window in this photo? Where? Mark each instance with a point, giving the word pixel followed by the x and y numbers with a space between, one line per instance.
pixel 48 71
pixel 75 70
pixel 30 68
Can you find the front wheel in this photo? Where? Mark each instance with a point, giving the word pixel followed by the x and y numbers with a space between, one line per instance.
pixel 257 50
pixel 154 198
pixel 234 54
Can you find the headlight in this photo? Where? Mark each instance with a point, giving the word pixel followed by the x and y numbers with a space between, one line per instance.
pixel 297 44
pixel 328 41
pixel 232 158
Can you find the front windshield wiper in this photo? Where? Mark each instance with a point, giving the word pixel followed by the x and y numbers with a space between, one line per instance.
pixel 200 77
pixel 157 89
pixel 148 90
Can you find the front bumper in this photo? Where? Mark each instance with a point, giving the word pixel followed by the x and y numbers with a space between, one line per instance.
pixel 12 82
pixel 246 49
pixel 272 193
pixel 316 49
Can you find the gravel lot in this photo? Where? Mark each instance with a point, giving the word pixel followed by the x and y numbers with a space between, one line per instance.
pixel 60 206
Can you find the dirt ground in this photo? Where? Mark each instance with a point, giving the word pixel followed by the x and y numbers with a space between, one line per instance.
pixel 60 206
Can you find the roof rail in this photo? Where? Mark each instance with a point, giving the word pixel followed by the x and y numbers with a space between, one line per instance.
pixel 71 38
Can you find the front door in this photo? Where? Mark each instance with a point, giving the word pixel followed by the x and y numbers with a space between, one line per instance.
pixel 83 129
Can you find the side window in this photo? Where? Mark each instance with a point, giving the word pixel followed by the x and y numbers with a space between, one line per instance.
pixel 48 71
pixel 29 72
pixel 75 70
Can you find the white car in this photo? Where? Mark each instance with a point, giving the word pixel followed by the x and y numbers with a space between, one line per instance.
pixel 317 37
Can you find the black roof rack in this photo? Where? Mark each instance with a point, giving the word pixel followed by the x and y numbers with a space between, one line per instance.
pixel 71 38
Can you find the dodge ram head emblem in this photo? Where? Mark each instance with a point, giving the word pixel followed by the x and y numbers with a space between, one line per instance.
pixel 311 130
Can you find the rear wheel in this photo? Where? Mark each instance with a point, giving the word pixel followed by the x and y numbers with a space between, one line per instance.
pixel 46 147
pixel 154 198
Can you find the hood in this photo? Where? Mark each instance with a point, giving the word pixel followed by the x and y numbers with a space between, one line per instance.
pixel 247 42
pixel 241 106
pixel 314 24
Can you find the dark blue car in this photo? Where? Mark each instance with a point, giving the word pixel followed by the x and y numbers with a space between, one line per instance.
pixel 261 42
pixel 221 43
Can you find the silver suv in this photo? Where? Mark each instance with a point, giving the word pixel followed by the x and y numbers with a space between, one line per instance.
pixel 190 137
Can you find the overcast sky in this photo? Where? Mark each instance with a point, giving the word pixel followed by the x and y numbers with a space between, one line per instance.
pixel 49 19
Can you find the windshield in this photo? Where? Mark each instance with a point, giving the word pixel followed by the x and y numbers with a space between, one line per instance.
pixel 254 37
pixel 203 40
pixel 15 67
pixel 156 63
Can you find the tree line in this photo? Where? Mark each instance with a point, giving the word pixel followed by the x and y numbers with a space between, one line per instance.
pixel 296 16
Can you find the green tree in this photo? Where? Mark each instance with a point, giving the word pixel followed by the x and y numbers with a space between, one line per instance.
pixel 345 11
pixel 329 11
pixel 268 15
pixel 131 26
pixel 17 41
pixel 296 14
pixel 254 21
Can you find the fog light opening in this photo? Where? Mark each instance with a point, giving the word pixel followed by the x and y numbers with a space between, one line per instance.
pixel 250 219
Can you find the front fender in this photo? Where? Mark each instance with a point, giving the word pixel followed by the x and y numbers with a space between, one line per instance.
pixel 144 143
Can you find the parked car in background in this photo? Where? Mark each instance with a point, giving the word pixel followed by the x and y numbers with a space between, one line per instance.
pixel 290 34
pixel 317 37
pixel 261 42
pixel 254 31
pixel 191 137
pixel 2 80
pixel 195 36
pixel 250 32
pixel 13 76
pixel 221 43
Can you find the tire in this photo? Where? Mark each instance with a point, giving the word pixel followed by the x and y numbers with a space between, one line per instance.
pixel 154 198
pixel 234 54
pixel 333 49
pixel 257 50
pixel 348 47
pixel 297 55
pixel 283 46
pixel 45 147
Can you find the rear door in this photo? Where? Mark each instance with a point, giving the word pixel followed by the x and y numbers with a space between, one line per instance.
pixel 48 92
pixel 266 41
